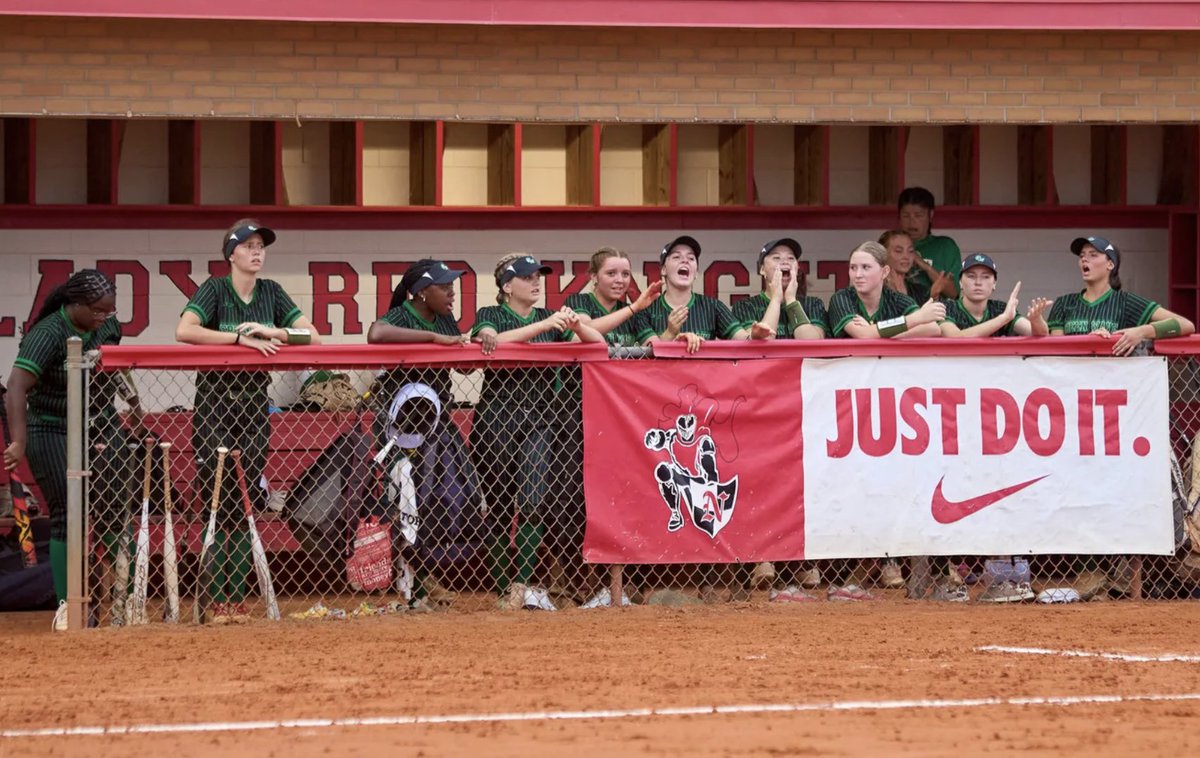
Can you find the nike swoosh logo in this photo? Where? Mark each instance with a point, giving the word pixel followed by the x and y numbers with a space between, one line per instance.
pixel 948 511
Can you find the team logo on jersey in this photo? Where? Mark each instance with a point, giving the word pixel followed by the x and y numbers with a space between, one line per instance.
pixel 689 479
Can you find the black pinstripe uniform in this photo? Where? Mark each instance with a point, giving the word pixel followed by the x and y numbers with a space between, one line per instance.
pixel 1115 309
pixel 752 309
pixel 231 406
pixel 43 353
pixel 957 314
pixel 708 317
pixel 513 428
pixel 845 305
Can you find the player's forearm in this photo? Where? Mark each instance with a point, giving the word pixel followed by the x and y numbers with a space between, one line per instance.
pixel 1038 326
pixel 381 332
pixel 985 329
pixel 523 334
pixel 930 329
pixel 587 333
pixel 14 406
pixel 808 332
pixel 606 324
pixel 194 334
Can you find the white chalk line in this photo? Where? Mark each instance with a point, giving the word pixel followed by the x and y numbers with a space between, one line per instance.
pixel 1125 657
pixel 630 713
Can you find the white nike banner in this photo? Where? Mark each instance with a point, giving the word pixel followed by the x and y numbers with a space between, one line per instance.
pixel 986 456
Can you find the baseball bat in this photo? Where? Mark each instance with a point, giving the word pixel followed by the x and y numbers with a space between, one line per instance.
pixel 170 556
pixel 136 614
pixel 207 551
pixel 20 505
pixel 261 569
pixel 120 590
pixel 21 517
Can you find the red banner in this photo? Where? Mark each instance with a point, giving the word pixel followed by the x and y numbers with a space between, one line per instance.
pixel 687 463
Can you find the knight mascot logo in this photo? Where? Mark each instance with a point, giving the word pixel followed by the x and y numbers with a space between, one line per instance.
pixel 689 480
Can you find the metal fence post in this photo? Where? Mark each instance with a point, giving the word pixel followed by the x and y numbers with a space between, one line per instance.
pixel 75 474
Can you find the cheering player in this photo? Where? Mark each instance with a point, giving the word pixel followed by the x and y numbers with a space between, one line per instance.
pixel 231 408
pixel 1103 308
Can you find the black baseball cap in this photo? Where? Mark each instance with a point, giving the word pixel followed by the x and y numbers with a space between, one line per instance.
pixel 787 242
pixel 684 240
pixel 438 273
pixel 523 266
pixel 979 259
pixel 1101 244
pixel 242 233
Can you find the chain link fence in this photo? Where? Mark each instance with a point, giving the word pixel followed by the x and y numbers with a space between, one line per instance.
pixel 219 495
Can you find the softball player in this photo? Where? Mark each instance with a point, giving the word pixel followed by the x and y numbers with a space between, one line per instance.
pixel 680 314
pixel 784 300
pixel 866 309
pixel 901 255
pixel 84 306
pixel 231 407
pixel 974 314
pixel 1103 308
pixel 605 308
pixel 784 303
pixel 513 432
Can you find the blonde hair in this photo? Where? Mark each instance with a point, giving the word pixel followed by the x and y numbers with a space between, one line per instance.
pixel 501 297
pixel 873 249
pixel 885 239
pixel 602 255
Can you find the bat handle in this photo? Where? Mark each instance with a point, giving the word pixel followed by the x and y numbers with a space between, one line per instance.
pixel 382 454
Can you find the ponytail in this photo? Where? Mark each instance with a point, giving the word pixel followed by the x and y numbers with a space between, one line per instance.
pixel 1114 280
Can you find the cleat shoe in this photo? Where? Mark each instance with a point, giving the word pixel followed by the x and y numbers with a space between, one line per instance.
pixel 239 613
pixel 1007 592
pixel 949 593
pixel 420 605
pixel 60 618
pixel 676 522
pixel 849 593
pixel 792 594
pixel 513 599
pixel 890 575
pixel 763 575
pixel 603 599
pixel 810 578
pixel 537 599
pixel 218 614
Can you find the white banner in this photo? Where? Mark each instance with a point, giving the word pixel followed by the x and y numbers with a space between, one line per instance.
pixel 986 456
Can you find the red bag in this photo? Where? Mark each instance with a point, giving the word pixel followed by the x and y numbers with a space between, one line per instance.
pixel 369 567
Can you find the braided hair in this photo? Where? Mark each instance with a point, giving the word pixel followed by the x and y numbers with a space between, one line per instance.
pixel 502 264
pixel 84 287
pixel 411 277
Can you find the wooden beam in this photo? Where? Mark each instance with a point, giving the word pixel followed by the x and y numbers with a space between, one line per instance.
pixel 424 159
pixel 656 164
pixel 183 162
pixel 19 163
pixel 811 164
pixel 581 165
pixel 960 153
pixel 1177 185
pixel 1035 166
pixel 733 144
pixel 885 168
pixel 1108 164
pixel 266 163
pixel 501 168
pixel 346 163
pixel 103 160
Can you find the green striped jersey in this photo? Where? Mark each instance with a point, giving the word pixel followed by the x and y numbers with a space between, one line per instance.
pixel 917 288
pixel 220 308
pixel 957 314
pixel 529 388
pixel 1115 309
pixel 406 317
pixel 43 353
pixel 708 317
pixel 752 309
pixel 845 305
pixel 586 302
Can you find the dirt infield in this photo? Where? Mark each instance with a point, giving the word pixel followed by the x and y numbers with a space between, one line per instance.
pixel 824 657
